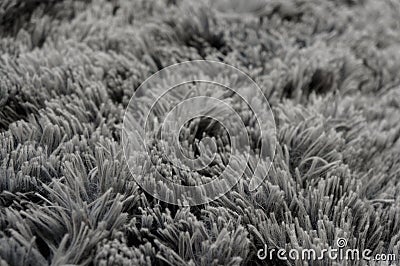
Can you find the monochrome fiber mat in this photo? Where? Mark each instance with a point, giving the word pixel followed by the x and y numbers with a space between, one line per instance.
pixel 330 73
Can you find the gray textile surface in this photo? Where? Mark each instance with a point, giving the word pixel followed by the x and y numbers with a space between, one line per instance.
pixel 330 71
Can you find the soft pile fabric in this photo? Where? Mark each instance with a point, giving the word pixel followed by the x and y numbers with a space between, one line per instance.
pixel 330 71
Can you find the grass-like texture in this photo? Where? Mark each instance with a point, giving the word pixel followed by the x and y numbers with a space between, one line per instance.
pixel 330 70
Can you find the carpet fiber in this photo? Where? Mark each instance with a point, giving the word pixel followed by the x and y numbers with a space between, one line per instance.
pixel 329 69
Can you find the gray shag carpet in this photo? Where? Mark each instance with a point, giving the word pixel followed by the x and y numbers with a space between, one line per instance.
pixel 330 71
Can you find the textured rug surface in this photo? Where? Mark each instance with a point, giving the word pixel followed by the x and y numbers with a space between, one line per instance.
pixel 329 69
